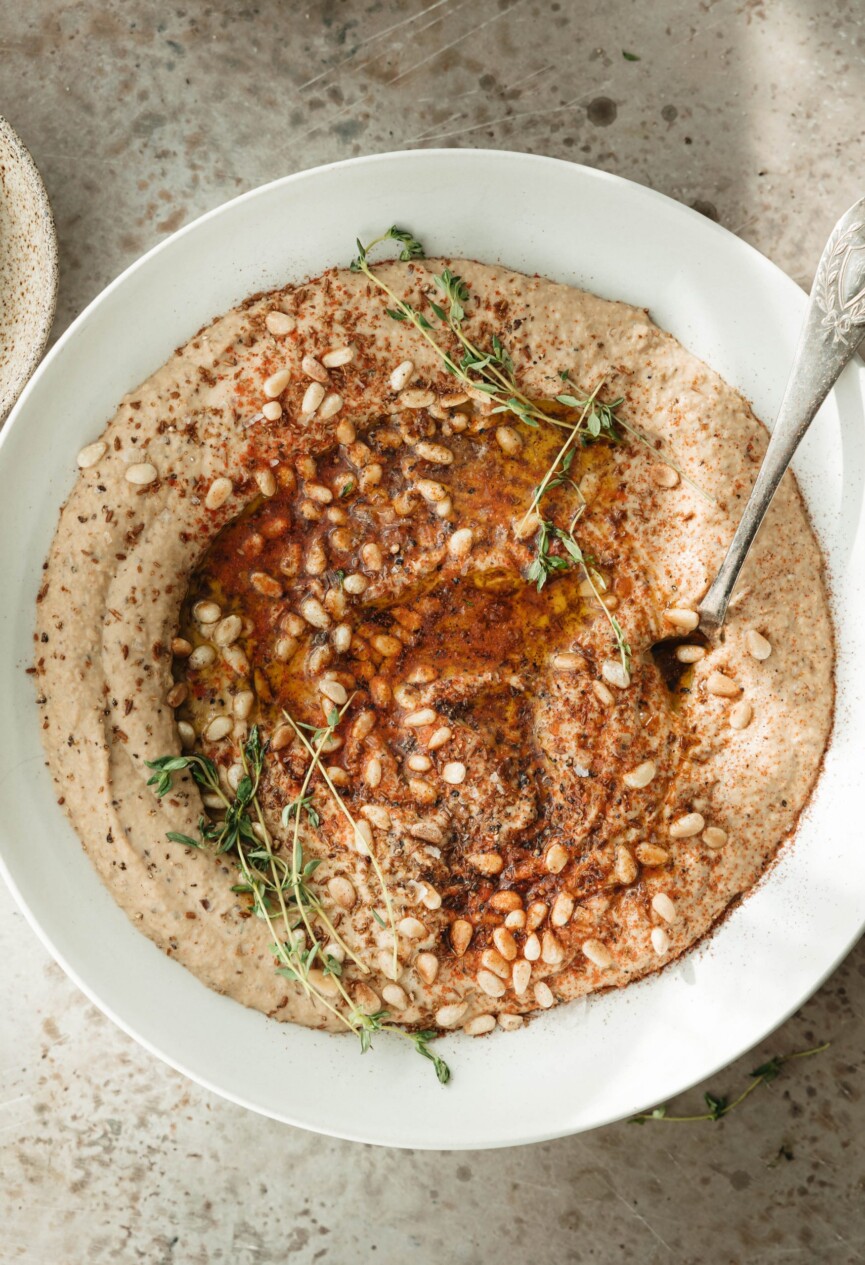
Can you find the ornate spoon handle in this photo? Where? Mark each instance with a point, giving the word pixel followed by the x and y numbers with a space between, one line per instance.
pixel 834 325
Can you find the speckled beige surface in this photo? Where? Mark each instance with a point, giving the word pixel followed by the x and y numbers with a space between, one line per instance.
pixel 140 116
pixel 28 267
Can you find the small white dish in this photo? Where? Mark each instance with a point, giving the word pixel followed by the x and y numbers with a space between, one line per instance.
pixel 28 267
pixel 582 1065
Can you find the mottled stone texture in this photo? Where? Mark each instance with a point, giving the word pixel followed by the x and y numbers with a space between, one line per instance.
pixel 142 114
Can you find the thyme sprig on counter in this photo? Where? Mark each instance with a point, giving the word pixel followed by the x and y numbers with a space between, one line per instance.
pixel 280 888
pixel 719 1107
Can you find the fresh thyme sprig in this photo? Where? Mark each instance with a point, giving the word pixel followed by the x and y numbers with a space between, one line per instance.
pixel 719 1107
pixel 356 835
pixel 281 890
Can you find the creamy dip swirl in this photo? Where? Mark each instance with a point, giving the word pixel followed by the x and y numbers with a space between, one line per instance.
pixel 301 508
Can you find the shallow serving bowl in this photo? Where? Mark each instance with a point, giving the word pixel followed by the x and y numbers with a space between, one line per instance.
pixel 578 1066
pixel 28 266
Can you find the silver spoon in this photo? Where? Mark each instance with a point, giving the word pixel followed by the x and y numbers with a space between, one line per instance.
pixel 834 326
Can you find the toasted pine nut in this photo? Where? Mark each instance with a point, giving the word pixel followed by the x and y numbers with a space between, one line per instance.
pixel 508 440
pixel 285 649
pixel 741 714
pixel 272 410
pixel 330 405
pixel 551 949
pixel 536 914
pixel 689 654
pixel 265 584
pixel 338 357
pixel 532 948
pixel 314 613
pixel 432 491
pixel 429 831
pixel 334 691
pixel 598 953
pixel 371 556
pixel 563 907
pixel 566 661
pixel 687 826
pixel 660 940
pixel 401 375
pixel 493 961
pixel 411 928
pixel 664 907
pixel 506 901
pixel 266 482
pixel 460 543
pixel 363 725
pixel 417 397
pixel 479 1026
pixel 723 686
pixel 341 637
pixel 312 398
pixel 602 693
pixel 279 323
pixel 640 776
pixel 714 837
pixel 449 1016
pixel 427 967
pixel 181 648
pixel 486 862
pixel 187 733
pixel 388 646
pixel 454 773
pixel 91 454
pixel 363 837
pixel 437 454
pixel 461 935
pixel 314 369
pixel 141 473
pixel 430 897
pixel 505 943
pixel 426 716
pixel 220 727
pixel 516 920
pixel 679 617
pixel 625 867
pixel 228 630
pixel 439 737
pixel 243 703
pixel 556 858
pixel 202 657
pixel 613 671
pixel 419 763
pixel 177 694
pixel 651 854
pixel 520 976
pixel 207 612
pixel 276 383
pixel 544 995
pixel 377 814
pixel 490 984
pixel 758 646
pixel 355 584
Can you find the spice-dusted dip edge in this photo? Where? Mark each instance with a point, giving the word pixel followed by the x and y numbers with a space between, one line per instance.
pixel 376 654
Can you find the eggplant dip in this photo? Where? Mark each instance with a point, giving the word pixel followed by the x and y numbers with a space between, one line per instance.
pixel 345 651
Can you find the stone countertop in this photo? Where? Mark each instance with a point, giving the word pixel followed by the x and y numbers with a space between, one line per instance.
pixel 140 116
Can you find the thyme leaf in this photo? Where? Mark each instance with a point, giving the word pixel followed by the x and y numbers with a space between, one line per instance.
pixel 717 1106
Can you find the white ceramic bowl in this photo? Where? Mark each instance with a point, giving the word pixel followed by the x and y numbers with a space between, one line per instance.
pixel 579 1066
pixel 28 266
